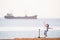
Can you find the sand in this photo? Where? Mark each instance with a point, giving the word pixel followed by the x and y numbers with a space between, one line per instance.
pixel 37 39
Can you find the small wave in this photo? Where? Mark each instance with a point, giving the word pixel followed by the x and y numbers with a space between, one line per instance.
pixel 25 28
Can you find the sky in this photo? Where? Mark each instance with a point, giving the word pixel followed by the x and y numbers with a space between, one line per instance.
pixel 42 8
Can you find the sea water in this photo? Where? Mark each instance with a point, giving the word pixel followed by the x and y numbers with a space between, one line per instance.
pixel 28 28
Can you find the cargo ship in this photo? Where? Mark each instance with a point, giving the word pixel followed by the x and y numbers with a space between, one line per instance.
pixel 10 16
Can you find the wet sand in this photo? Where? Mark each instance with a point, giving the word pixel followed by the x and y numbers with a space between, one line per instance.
pixel 6 39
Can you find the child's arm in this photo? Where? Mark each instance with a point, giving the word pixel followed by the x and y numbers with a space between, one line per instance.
pixel 50 28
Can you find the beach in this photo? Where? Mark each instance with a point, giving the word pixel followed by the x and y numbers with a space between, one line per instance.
pixel 33 39
pixel 37 39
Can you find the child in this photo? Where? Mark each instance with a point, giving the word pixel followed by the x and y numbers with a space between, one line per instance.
pixel 46 29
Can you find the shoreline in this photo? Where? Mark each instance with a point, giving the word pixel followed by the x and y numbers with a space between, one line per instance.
pixel 33 39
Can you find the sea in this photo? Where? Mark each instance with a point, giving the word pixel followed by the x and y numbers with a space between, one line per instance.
pixel 28 28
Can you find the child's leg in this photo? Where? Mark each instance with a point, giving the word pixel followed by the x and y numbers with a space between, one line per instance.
pixel 45 33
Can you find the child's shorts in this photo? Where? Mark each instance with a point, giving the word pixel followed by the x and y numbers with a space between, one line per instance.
pixel 45 32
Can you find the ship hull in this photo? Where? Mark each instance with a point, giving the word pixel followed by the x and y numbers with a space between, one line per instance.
pixel 20 17
pixel 10 16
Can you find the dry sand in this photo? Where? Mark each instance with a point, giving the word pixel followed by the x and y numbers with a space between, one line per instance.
pixel 37 39
pixel 33 39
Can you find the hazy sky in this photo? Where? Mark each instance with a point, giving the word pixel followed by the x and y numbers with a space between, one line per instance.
pixel 42 8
